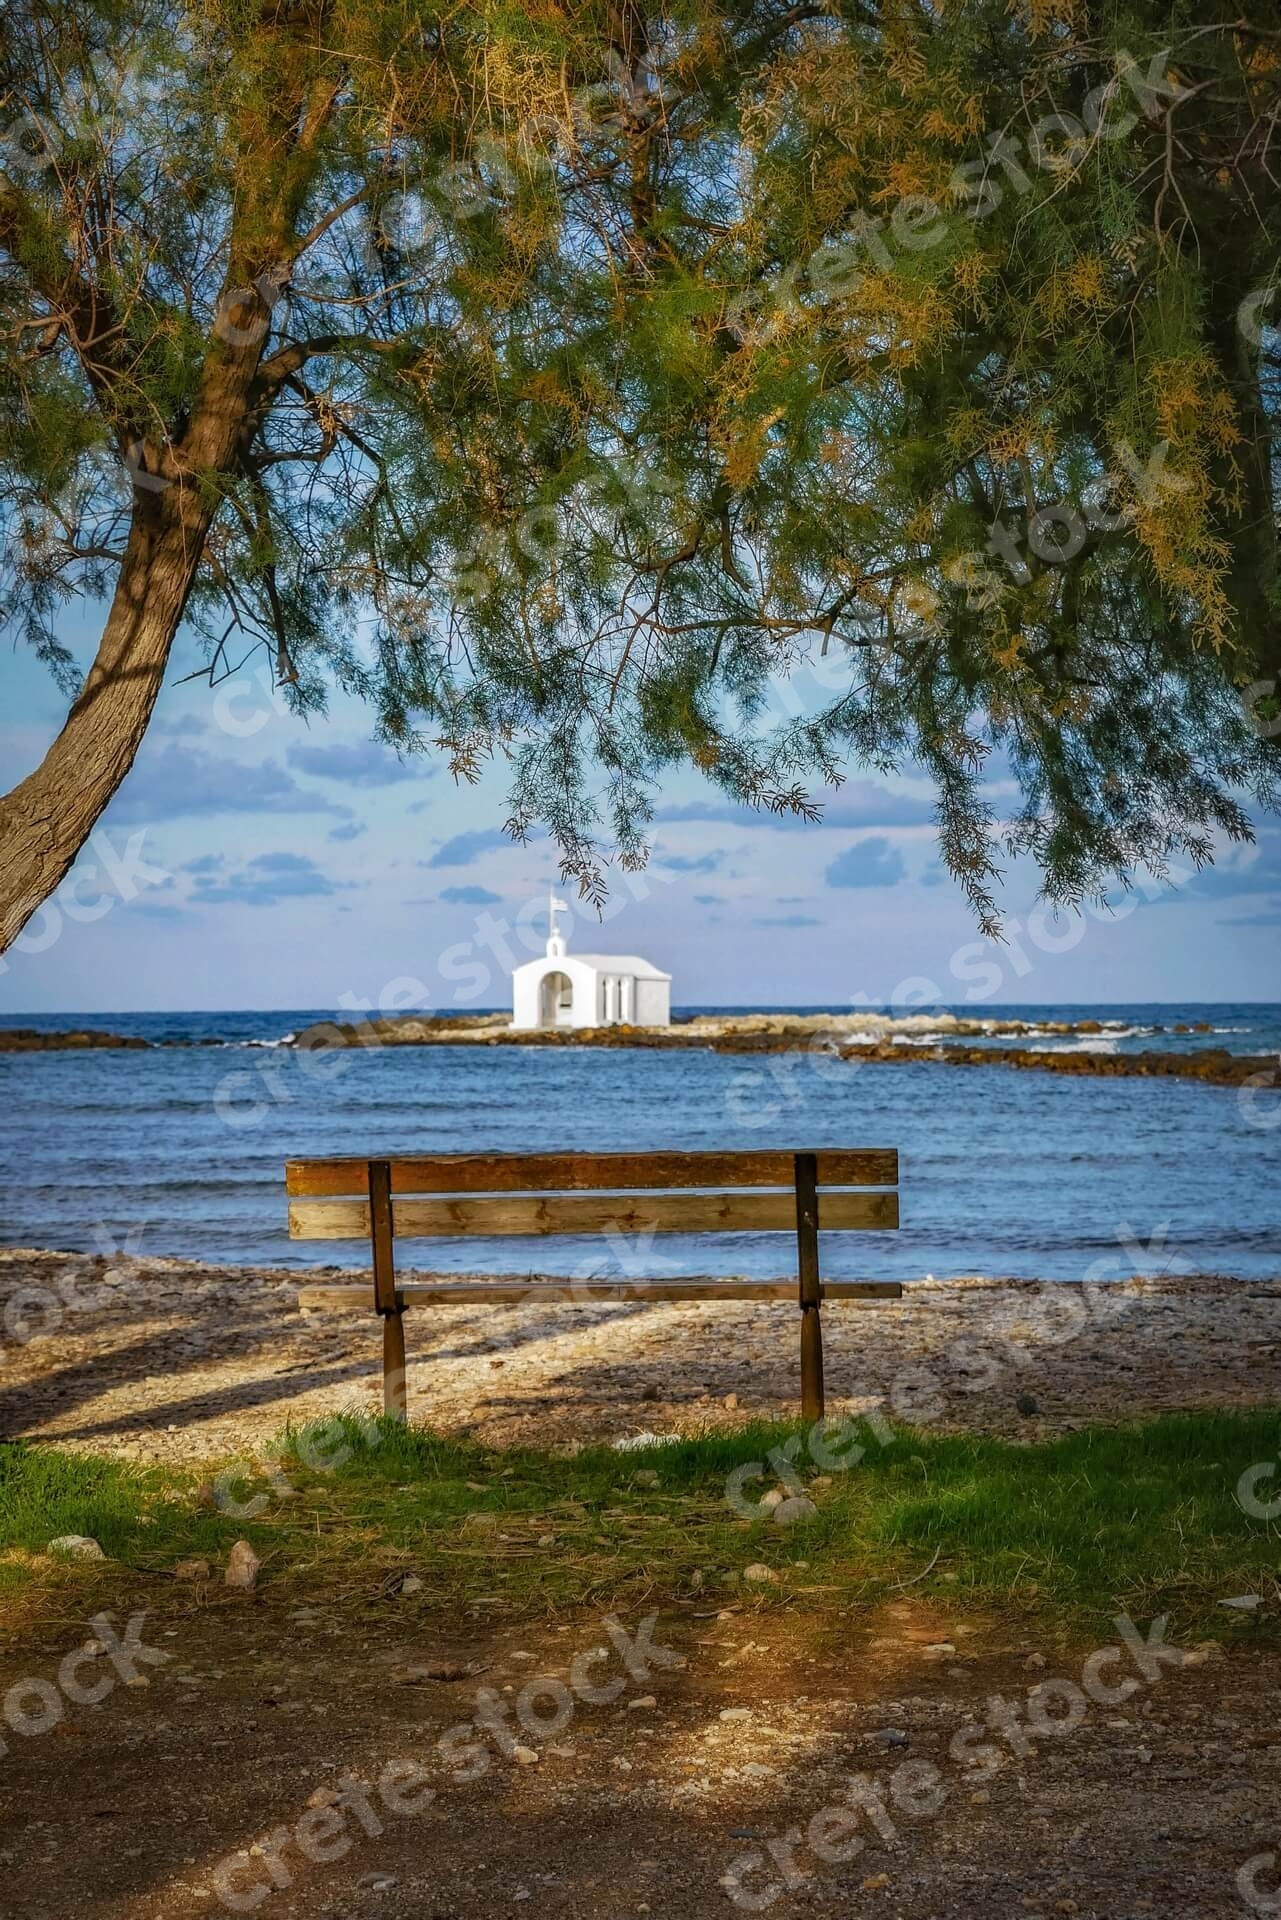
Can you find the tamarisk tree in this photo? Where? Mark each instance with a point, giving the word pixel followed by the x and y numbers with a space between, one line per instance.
pixel 561 379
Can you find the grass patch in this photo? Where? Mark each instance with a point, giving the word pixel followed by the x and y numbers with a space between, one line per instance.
pixel 1137 1517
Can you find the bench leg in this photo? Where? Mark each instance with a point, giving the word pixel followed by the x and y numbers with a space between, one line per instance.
pixel 395 1396
pixel 810 1287
pixel 811 1364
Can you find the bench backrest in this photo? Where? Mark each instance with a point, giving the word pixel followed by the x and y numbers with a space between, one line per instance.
pixel 527 1194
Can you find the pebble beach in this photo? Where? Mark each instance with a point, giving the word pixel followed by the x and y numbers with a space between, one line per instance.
pixel 174 1361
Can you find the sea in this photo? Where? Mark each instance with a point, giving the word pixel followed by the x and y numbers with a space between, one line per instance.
pixel 180 1149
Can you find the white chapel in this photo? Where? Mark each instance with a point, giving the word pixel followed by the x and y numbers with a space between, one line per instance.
pixel 588 989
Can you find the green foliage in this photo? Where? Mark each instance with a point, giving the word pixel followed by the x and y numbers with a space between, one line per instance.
pixel 619 360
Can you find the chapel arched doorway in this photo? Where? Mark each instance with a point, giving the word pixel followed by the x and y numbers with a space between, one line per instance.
pixel 557 1008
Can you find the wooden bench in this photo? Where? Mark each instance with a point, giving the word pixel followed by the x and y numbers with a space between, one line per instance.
pixel 485 1195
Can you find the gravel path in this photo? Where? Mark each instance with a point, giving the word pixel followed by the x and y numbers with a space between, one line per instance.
pixel 172 1360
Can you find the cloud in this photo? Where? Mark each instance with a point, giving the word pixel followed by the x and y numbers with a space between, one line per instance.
pixel 686 863
pixel 173 781
pixel 265 881
pixel 791 920
pixel 350 830
pixel 868 863
pixel 1268 918
pixel 859 803
pixel 156 910
pixel 368 765
pixel 1259 872
pixel 464 847
pixel 469 897
pixel 176 726
pixel 207 863
pixel 935 874
pixel 709 899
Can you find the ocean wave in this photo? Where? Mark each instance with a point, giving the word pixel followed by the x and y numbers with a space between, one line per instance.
pixel 1089 1043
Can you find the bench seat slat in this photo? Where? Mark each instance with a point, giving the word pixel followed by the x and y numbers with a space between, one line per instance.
pixel 528 1216
pixel 509 1292
pixel 589 1172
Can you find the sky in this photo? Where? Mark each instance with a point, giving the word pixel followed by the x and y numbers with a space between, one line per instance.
pixel 253 860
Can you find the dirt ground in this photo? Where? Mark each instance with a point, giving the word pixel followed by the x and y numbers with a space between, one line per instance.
pixel 170 1360
pixel 656 1803
pixel 704 1788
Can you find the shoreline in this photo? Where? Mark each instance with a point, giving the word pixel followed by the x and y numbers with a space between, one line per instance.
pixel 873 1038
pixel 179 1362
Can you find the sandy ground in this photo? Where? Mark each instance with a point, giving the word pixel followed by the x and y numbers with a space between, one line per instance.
pixel 171 1360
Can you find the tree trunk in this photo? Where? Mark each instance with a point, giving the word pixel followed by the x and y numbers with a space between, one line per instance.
pixel 46 820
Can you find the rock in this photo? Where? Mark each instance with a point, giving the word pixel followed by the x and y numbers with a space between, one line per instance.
pixel 646 1700
pixel 875 1882
pixel 759 1574
pixel 419 1673
pixel 242 1567
pixel 798 1507
pixel 736 1713
pixel 412 1583
pixel 1028 1404
pixel 324 1797
pixel 378 1882
pixel 78 1546
pixel 730 1402
pixel 890 1737
pixel 1035 1663
pixel 774 1498
pixel 546 1540
pixel 1246 1602
pixel 645 1478
pixel 524 1756
pixel 192 1570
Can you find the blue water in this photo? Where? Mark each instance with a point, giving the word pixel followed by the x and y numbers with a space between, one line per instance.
pixel 180 1150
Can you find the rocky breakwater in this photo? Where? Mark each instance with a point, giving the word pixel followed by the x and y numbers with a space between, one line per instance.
pixel 908 1039
pixel 32 1040
pixel 1213 1065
